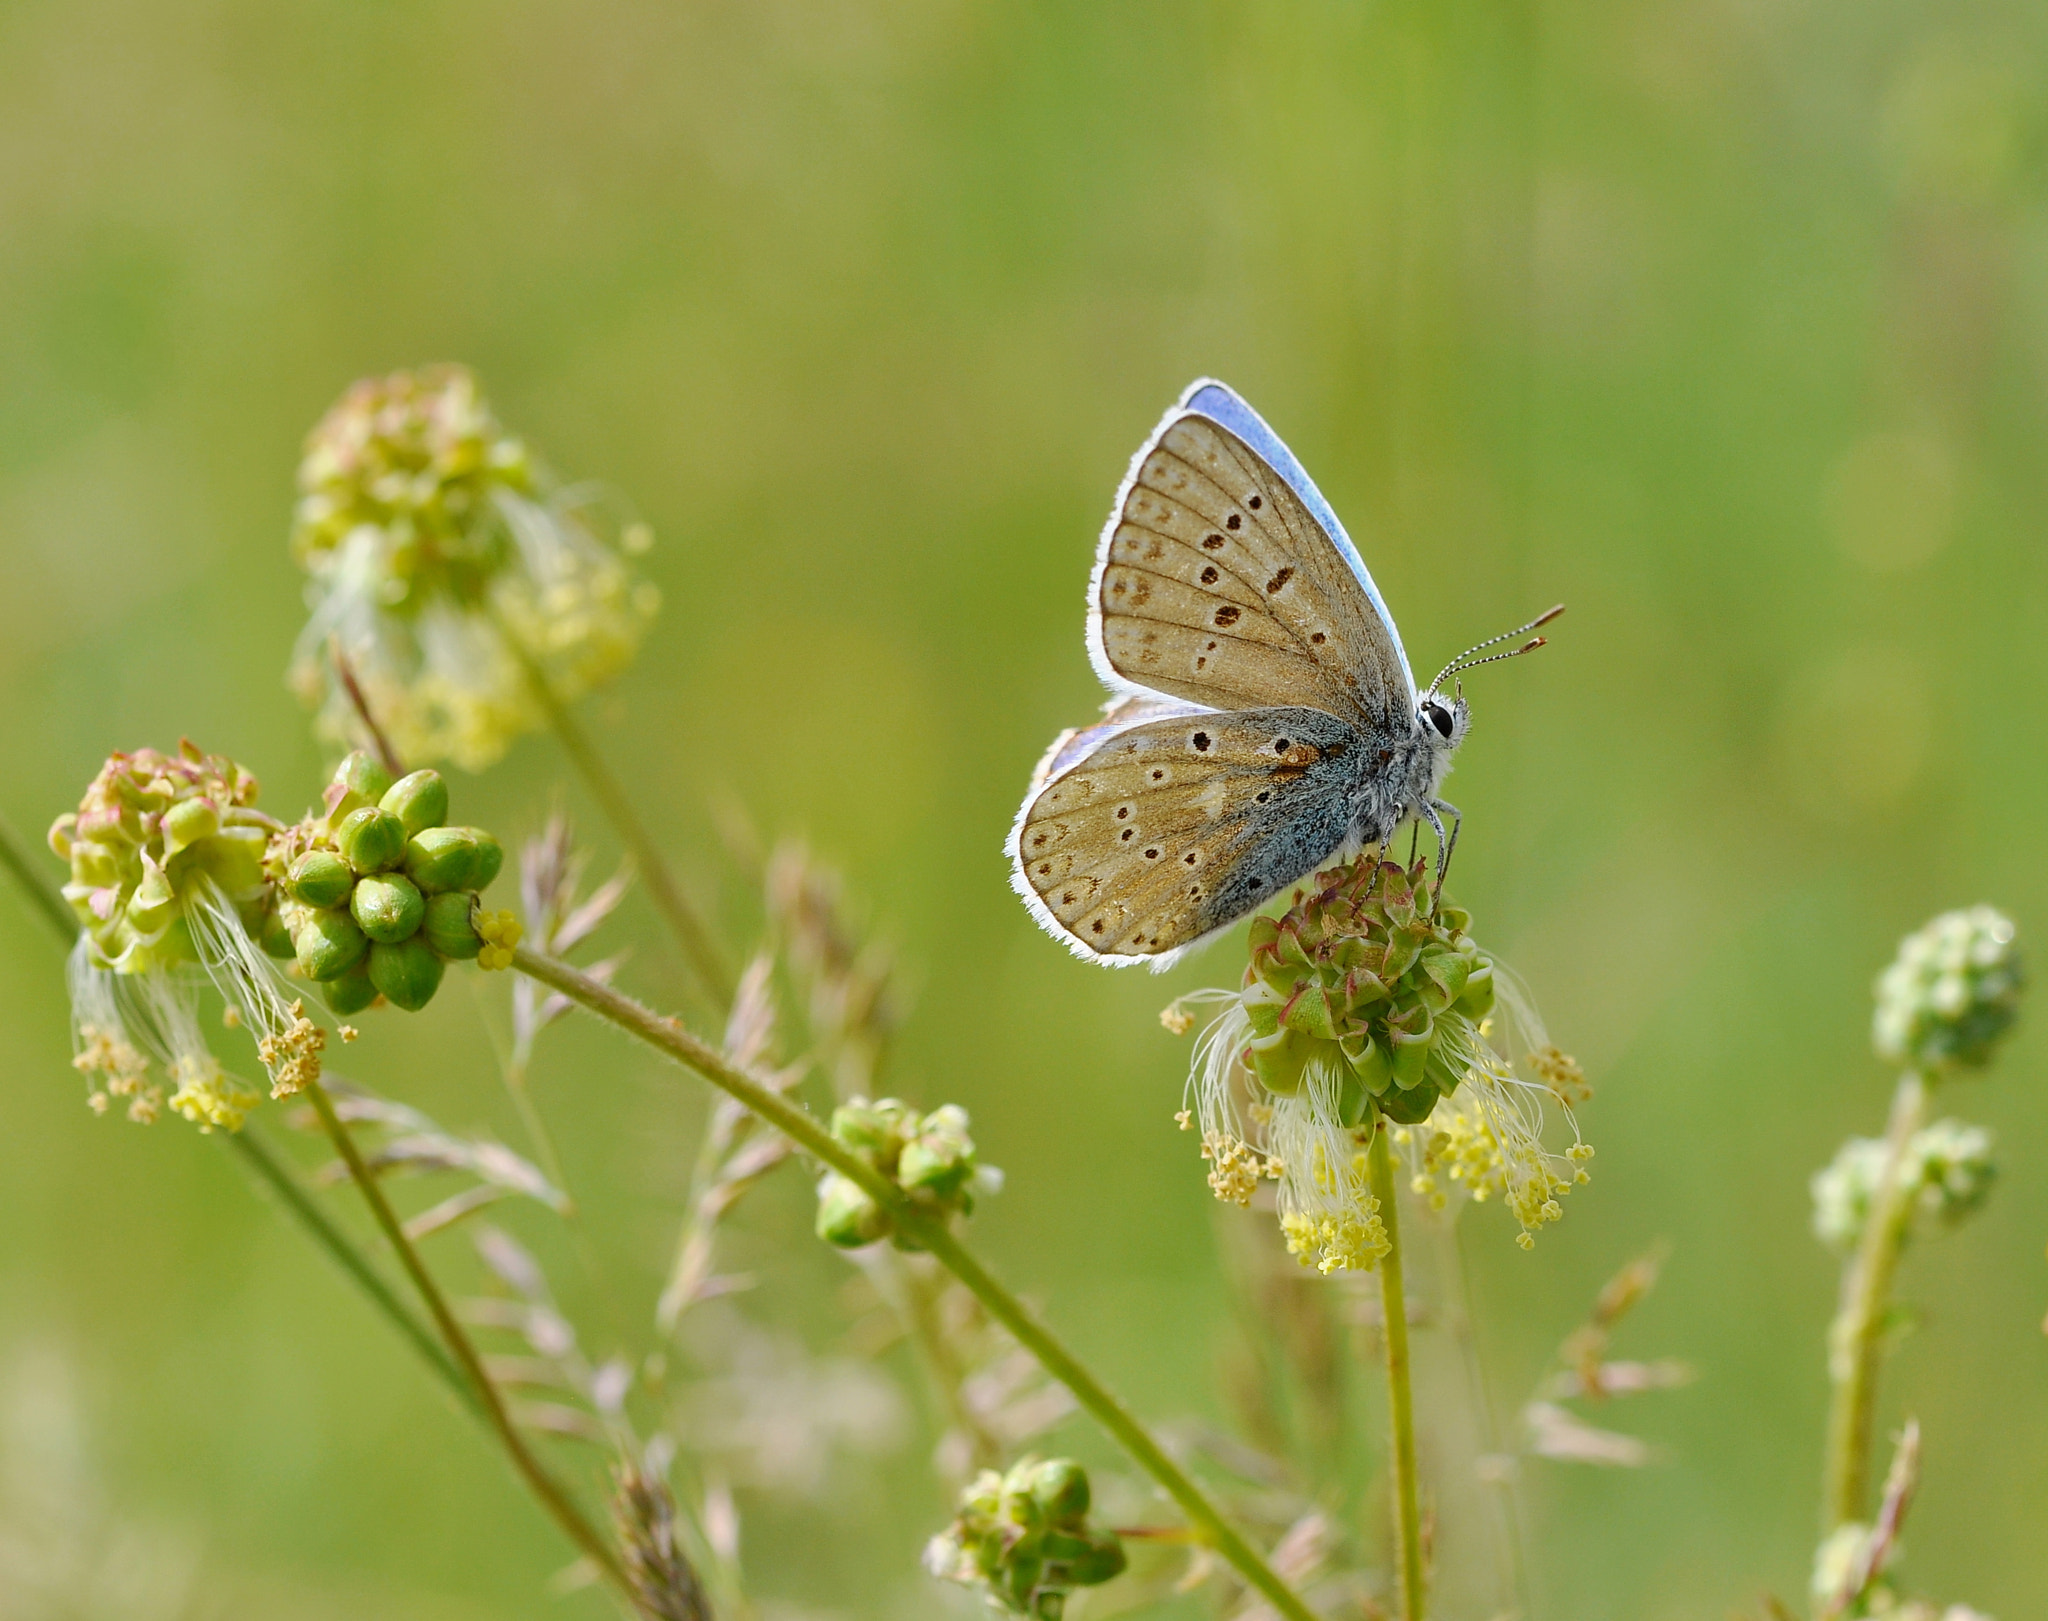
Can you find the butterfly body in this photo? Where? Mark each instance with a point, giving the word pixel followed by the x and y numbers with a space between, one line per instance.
pixel 1265 720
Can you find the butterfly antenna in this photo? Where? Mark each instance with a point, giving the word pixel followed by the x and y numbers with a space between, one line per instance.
pixel 1465 660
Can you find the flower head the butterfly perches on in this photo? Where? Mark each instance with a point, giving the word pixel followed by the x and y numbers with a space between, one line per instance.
pixel 1264 718
pixel 1367 1008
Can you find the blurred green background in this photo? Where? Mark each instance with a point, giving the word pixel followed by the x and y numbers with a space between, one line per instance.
pixel 1726 324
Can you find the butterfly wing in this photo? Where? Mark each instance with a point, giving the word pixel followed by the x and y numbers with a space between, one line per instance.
pixel 1153 834
pixel 1224 578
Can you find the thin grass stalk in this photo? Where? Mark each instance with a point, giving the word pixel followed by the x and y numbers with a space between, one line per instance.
pixel 1504 1493
pixel 271 1168
pixel 705 960
pixel 1400 1395
pixel 669 1036
pixel 1856 1337
pixel 352 1261
pixel 551 1494
pixel 18 857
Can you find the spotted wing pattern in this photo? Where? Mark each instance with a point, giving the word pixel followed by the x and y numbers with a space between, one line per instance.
pixel 1171 828
pixel 1216 584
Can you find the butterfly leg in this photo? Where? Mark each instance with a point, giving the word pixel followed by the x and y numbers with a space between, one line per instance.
pixel 1435 810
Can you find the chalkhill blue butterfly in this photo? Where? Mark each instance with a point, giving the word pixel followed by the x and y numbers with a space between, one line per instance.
pixel 1263 718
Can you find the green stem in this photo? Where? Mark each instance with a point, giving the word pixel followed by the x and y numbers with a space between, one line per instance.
pixel 351 1260
pixel 1400 1398
pixel 704 958
pixel 1856 1337
pixel 544 1486
pixel 670 1037
pixel 18 857
pixel 15 856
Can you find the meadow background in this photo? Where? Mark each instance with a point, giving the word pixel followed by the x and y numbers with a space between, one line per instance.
pixel 1725 323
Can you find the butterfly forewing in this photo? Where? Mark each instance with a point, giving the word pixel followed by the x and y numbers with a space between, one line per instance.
pixel 1217 585
pixel 1170 828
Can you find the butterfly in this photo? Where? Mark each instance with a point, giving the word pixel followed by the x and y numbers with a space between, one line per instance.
pixel 1263 718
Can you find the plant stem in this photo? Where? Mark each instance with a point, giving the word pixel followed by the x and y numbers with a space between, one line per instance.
pixel 274 1171
pixel 936 1238
pixel 695 939
pixel 544 1486
pixel 351 1260
pixel 1856 1337
pixel 1400 1398
pixel 17 856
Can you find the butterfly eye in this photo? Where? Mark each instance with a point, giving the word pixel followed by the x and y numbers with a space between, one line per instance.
pixel 1439 717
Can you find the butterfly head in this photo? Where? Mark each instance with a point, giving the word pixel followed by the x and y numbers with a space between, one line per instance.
pixel 1442 721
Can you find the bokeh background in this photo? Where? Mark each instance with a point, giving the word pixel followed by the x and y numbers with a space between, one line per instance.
pixel 1726 324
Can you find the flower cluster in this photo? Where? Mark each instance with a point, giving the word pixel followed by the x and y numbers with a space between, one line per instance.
pixel 449 573
pixel 1946 1173
pixel 1365 1003
pixel 929 1156
pixel 167 877
pixel 1951 993
pixel 377 892
pixel 1024 1540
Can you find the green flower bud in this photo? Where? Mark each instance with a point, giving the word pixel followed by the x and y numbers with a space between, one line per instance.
pixel 847 1217
pixel 939 1161
pixel 878 1130
pixel 1371 1061
pixel 1023 1539
pixel 387 908
pixel 408 973
pixel 419 801
pixel 1409 1108
pixel 275 936
pixel 1060 1488
pixel 362 777
pixel 1411 1036
pixel 189 821
pixel 372 840
pixel 351 992
pixel 153 902
pixel 321 878
pixel 1476 1000
pixel 1951 994
pixel 1086 1558
pixel 490 857
pixel 443 858
pixel 328 944
pixel 1281 1059
pixel 447 927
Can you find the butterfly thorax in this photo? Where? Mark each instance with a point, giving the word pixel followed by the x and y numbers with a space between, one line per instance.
pixel 1398 775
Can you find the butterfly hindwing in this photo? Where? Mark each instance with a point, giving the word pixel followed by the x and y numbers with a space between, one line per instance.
pixel 1215 583
pixel 1170 828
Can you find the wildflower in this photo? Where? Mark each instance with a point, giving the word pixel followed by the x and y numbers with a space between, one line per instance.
pixel 1951 993
pixel 1946 1173
pixel 168 878
pixel 443 563
pixel 930 1157
pixel 1363 1009
pixel 1024 1540
pixel 377 894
